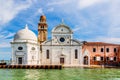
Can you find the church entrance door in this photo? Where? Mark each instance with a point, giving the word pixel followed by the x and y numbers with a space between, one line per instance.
pixel 86 60
pixel 61 60
pixel 20 60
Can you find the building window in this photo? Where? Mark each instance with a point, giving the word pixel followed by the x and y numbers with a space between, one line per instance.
pixel 32 57
pixel 76 54
pixel 62 39
pixel 94 58
pixel 94 49
pixel 107 49
pixel 115 50
pixel 114 58
pixel 107 58
pixel 33 48
pixel 98 58
pixel 47 54
pixel 111 58
pixel 41 26
pixel 20 48
pixel 101 58
pixel 102 50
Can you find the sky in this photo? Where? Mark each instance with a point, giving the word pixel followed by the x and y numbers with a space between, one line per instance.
pixel 90 20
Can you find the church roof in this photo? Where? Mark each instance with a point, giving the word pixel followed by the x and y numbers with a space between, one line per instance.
pixel 25 34
pixel 100 44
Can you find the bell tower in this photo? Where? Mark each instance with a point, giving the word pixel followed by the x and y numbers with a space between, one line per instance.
pixel 42 29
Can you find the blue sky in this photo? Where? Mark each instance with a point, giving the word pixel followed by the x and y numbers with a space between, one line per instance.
pixel 91 20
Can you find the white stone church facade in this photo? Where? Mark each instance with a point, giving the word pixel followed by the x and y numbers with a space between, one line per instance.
pixel 61 49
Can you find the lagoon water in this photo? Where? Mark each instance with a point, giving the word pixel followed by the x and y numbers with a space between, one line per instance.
pixel 64 74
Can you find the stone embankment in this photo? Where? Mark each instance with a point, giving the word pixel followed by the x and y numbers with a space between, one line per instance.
pixel 31 66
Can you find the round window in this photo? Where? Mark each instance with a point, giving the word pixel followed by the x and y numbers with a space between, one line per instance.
pixel 62 39
pixel 20 48
pixel 33 48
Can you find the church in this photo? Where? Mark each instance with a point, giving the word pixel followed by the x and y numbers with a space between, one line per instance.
pixel 29 49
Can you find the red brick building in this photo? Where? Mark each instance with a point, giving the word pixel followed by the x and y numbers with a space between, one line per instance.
pixel 100 53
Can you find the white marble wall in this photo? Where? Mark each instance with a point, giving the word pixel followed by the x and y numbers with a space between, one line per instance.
pixel 26 53
pixel 68 53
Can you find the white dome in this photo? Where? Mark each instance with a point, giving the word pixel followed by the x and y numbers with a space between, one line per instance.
pixel 25 34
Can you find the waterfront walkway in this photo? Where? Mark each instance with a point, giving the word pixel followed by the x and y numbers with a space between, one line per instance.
pixel 89 66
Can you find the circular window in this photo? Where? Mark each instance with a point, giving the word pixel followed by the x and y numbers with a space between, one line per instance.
pixel 33 48
pixel 20 48
pixel 62 39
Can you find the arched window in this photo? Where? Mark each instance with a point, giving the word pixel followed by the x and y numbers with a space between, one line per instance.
pixel 94 58
pixel 115 50
pixel 76 54
pixel 102 50
pixel 115 59
pixel 47 54
pixel 107 49
pixel 94 49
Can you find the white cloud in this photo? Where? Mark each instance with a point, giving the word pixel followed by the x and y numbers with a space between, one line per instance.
pixel 3 38
pixel 6 34
pixel 50 9
pixel 40 10
pixel 102 39
pixel 11 8
pixel 90 22
pixel 86 3
pixel 5 43
pixel 94 17
pixel 61 2
pixel 9 35
pixel 114 17
pixel 108 39
pixel 77 28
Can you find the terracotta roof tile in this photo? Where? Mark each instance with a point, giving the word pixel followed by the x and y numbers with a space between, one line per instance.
pixel 101 44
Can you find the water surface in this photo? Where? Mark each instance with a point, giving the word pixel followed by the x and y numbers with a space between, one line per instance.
pixel 64 74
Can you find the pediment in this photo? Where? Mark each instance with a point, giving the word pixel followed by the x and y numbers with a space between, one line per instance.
pixel 62 29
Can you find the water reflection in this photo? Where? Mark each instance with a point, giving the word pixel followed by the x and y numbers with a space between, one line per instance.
pixel 42 74
pixel 31 74
pixel 64 74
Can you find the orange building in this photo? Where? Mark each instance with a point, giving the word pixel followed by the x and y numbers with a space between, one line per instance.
pixel 100 53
